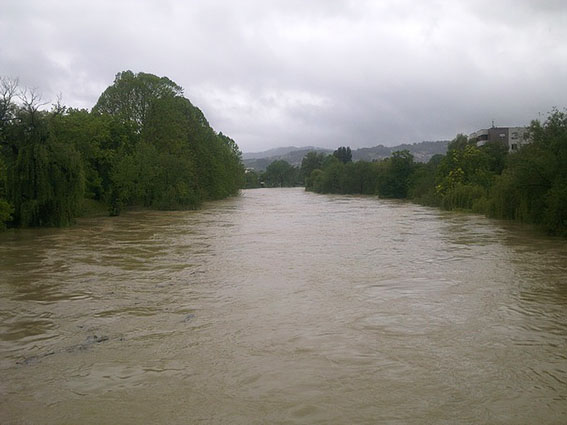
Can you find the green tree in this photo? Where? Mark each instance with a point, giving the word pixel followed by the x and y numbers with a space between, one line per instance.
pixel 45 183
pixel 331 179
pixel 343 154
pixel 100 139
pixel 131 96
pixel 396 178
pixel 496 154
pixel 360 177
pixel 8 111
pixel 311 161
pixel 143 144
pixel 458 143
pixel 6 209
pixel 466 174
pixel 252 180
pixel 281 173
pixel 179 160
pixel 8 148
pixel 532 187
pixel 423 181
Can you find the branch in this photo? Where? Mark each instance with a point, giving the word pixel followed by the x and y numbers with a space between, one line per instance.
pixel 31 99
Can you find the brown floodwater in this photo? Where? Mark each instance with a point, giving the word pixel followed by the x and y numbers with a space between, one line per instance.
pixel 284 307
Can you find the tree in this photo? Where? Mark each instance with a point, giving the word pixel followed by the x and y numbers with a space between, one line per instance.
pixel 143 144
pixel 532 187
pixel 332 178
pixel 6 208
pixel 423 181
pixel 280 173
pixel 343 154
pixel 466 174
pixel 496 154
pixel 252 180
pixel 100 139
pixel 45 182
pixel 131 96
pixel 311 161
pixel 458 143
pixel 395 181
pixel 8 109
pixel 359 177
pixel 179 160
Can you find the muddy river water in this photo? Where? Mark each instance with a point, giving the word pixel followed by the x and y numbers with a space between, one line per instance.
pixel 284 307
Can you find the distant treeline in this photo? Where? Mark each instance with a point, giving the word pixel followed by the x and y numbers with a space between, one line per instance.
pixel 529 185
pixel 143 144
pixel 279 173
pixel 422 152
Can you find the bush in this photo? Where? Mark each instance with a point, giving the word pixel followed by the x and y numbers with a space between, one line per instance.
pixel 463 196
pixel 6 211
pixel 555 215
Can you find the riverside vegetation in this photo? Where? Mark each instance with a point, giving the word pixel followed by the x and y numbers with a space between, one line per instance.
pixel 529 185
pixel 143 144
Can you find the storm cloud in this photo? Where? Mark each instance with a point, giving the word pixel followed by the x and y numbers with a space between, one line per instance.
pixel 320 72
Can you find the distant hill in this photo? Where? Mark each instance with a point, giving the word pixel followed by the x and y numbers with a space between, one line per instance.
pixel 422 152
pixel 260 160
pixel 278 152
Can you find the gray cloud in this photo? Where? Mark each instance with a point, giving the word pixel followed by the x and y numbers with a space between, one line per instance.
pixel 321 72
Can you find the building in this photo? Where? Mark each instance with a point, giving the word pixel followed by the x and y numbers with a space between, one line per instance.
pixel 513 137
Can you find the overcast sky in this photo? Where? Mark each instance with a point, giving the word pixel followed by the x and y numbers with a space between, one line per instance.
pixel 305 72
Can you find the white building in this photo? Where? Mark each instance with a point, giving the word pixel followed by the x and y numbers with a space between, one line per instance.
pixel 513 137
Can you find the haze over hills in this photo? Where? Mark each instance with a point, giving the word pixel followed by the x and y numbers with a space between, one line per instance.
pixel 281 152
pixel 422 152
pixel 293 155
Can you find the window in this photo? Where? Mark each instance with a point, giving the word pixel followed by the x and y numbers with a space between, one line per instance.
pixel 514 147
pixel 515 135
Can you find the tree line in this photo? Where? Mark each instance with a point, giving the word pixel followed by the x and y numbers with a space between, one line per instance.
pixel 142 144
pixel 280 173
pixel 529 185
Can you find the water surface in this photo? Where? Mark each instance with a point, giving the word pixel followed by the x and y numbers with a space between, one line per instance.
pixel 281 306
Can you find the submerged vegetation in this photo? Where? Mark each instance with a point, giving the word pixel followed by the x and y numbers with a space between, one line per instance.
pixel 529 186
pixel 143 144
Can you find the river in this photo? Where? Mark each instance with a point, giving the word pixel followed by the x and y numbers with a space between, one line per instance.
pixel 284 307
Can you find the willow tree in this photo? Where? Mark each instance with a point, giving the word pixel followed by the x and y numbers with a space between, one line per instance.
pixel 8 89
pixel 6 209
pixel 44 181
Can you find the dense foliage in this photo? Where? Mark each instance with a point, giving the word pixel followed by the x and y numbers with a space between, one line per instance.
pixel 529 186
pixel 143 144
pixel 343 154
pixel 389 178
pixel 278 173
pixel 281 173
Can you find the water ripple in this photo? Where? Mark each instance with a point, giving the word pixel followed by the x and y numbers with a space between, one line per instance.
pixel 282 306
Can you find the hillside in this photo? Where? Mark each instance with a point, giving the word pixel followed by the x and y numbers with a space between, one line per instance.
pixel 279 152
pixel 422 152
pixel 260 160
